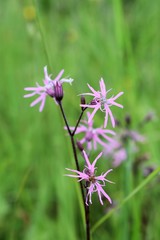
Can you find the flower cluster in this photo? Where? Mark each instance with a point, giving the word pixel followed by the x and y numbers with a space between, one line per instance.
pixel 92 136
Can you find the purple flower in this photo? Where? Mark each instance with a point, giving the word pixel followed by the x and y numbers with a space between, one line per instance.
pixel 100 101
pixel 117 149
pixel 92 136
pixel 119 155
pixel 93 183
pixel 47 89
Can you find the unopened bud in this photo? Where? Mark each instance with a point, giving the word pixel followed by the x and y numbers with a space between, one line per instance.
pixel 80 146
pixel 148 170
pixel 83 101
pixel 58 92
pixel 128 120
pixel 149 117
pixel 117 122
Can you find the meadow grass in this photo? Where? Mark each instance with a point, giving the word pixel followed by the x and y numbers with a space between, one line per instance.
pixel 117 40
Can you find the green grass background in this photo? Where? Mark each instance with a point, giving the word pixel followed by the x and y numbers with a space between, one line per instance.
pixel 117 40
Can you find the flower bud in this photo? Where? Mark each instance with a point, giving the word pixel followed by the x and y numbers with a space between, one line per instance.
pixel 128 120
pixel 149 117
pixel 148 170
pixel 80 146
pixel 83 101
pixel 58 92
pixel 117 122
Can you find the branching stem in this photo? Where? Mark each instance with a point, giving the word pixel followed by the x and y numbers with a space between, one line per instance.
pixel 71 134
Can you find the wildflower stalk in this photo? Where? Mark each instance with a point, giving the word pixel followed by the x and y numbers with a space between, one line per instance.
pixel 87 219
pixel 71 134
pixel 80 117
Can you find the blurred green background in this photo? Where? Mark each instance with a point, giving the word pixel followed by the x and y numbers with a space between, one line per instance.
pixel 114 39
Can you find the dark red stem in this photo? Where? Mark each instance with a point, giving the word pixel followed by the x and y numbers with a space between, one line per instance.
pixel 71 134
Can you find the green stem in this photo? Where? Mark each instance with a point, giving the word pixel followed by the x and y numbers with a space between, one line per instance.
pixel 86 208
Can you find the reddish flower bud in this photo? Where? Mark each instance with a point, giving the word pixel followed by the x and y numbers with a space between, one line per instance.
pixel 80 146
pixel 58 92
pixel 149 117
pixel 148 170
pixel 83 100
pixel 128 120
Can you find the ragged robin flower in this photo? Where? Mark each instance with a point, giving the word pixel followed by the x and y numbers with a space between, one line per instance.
pixel 93 183
pixel 117 150
pixel 102 102
pixel 93 136
pixel 52 88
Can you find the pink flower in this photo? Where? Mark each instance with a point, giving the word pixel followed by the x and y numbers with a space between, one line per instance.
pixel 94 183
pixel 119 156
pixel 47 89
pixel 100 101
pixel 117 149
pixel 93 135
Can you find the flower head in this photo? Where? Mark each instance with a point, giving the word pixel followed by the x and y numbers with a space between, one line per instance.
pixel 117 149
pixel 102 102
pixel 93 136
pixel 94 183
pixel 49 88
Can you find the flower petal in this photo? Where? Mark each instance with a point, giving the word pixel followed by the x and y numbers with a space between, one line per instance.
pixel 106 118
pixel 96 94
pixel 111 117
pixel 40 98
pixel 29 95
pixel 42 104
pixel 103 87
pixel 93 113
pixel 86 159
pixel 59 75
pixel 101 191
pixel 118 95
pixel 94 162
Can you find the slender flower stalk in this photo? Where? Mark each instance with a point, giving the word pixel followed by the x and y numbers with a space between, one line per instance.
pixel 78 122
pixel 87 217
pixel 102 102
pixel 78 168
